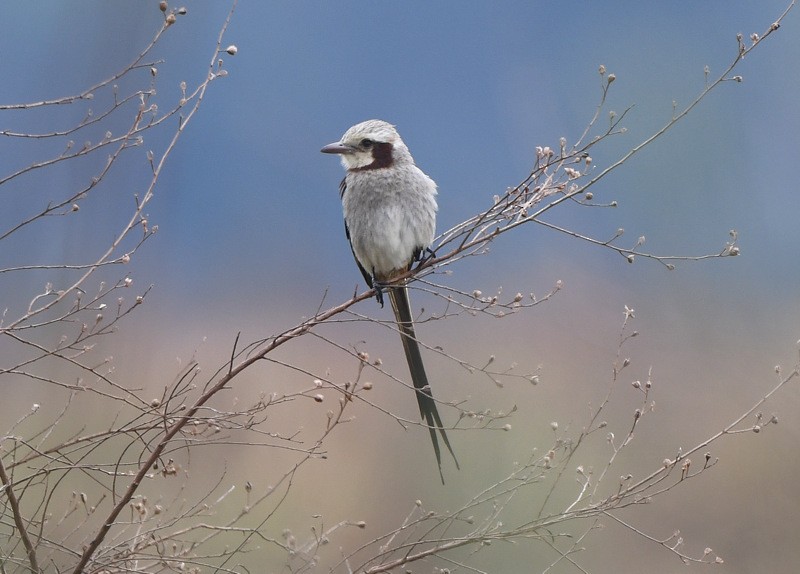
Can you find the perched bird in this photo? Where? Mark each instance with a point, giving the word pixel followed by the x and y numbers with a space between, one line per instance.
pixel 390 218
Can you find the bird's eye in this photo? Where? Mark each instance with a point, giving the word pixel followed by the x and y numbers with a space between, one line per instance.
pixel 366 143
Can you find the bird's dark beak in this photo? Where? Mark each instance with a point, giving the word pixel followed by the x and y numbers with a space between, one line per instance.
pixel 337 147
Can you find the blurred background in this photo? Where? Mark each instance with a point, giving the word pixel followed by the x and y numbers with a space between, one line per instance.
pixel 251 240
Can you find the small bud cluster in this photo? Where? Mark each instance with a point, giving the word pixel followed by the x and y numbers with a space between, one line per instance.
pixel 544 153
pixel 548 458
pixel 170 18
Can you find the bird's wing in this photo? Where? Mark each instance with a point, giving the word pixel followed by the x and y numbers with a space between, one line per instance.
pixel 427 405
pixel 367 276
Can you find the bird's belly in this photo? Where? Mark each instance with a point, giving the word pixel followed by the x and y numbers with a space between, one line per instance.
pixel 384 250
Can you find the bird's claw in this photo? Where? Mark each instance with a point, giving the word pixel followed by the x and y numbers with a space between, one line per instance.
pixel 425 255
pixel 379 287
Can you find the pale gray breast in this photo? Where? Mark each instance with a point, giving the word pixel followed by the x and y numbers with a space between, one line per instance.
pixel 391 214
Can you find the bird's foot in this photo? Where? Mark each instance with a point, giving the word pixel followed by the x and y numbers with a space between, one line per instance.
pixel 379 288
pixel 424 256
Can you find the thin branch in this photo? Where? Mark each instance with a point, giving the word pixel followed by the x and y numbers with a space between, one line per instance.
pixel 19 521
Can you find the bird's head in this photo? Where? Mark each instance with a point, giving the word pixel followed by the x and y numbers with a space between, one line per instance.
pixel 373 144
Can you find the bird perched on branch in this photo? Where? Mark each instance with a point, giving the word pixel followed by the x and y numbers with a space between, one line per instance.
pixel 390 218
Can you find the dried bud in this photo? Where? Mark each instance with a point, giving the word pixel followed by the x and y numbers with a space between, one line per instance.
pixel 611 78
pixel 232 50
pixel 170 19
pixel 162 5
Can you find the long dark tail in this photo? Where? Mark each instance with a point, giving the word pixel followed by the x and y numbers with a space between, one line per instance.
pixel 427 406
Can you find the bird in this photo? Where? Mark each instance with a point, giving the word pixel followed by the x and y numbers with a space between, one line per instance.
pixel 389 207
